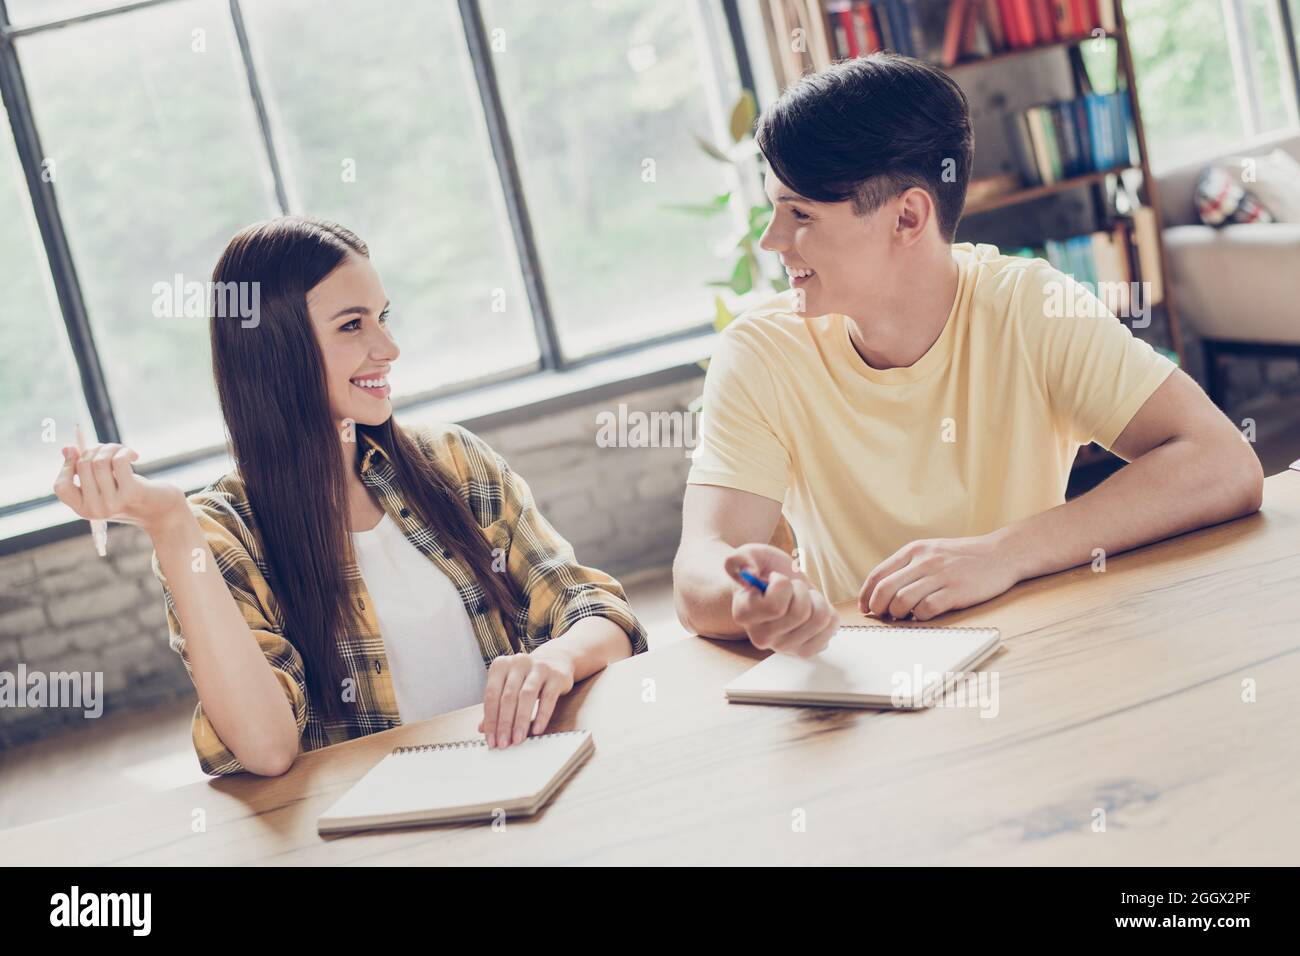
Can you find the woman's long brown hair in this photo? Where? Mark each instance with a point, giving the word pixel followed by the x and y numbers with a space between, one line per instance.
pixel 270 379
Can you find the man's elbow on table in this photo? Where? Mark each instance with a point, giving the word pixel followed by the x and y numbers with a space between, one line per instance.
pixel 1254 483
pixel 1240 475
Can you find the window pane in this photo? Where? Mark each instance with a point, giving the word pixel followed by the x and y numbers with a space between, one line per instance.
pixel 40 392
pixel 596 92
pixel 1185 79
pixel 1262 35
pixel 151 182
pixel 25 12
pixel 377 117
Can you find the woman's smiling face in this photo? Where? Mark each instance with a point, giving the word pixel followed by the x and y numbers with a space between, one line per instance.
pixel 349 314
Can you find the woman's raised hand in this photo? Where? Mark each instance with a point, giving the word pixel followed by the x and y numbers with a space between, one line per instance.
pixel 107 488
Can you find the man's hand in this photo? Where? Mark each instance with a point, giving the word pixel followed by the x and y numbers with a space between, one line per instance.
pixel 928 577
pixel 792 616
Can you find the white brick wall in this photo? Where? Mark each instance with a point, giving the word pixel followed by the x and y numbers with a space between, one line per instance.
pixel 63 608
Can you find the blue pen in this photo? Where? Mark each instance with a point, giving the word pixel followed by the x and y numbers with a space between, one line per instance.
pixel 754 580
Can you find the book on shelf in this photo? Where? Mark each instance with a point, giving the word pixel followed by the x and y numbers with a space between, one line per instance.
pixel 1060 140
pixel 1107 262
pixel 970 28
pixel 859 27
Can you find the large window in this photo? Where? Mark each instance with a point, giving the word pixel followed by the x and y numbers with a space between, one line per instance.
pixel 605 99
pixel 380 130
pixel 1210 73
pixel 39 391
pixel 512 165
pixel 152 179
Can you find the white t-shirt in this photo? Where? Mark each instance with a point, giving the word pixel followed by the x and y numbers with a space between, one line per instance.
pixel 435 661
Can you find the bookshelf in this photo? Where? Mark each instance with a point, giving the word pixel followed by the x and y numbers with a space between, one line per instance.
pixel 808 35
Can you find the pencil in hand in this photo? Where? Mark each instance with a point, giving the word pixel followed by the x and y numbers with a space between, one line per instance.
pixel 98 527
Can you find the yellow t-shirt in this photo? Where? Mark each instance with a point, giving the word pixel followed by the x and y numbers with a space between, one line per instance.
pixel 980 432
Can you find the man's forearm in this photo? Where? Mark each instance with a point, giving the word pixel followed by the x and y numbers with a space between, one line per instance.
pixel 1176 487
pixel 703 591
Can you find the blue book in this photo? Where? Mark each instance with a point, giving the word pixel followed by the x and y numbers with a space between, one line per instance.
pixel 1072 160
pixel 1123 115
pixel 1080 111
pixel 915 36
pixel 1099 131
pixel 898 34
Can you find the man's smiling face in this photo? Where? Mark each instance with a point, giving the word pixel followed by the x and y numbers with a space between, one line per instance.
pixel 837 258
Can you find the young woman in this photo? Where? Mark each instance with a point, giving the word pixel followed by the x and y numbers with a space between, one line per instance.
pixel 364 573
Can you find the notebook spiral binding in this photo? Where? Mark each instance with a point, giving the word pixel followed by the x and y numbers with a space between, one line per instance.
pixel 882 627
pixel 467 744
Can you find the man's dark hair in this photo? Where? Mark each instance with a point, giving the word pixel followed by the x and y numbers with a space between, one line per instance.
pixel 867 129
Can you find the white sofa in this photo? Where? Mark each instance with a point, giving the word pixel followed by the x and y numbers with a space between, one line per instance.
pixel 1237 286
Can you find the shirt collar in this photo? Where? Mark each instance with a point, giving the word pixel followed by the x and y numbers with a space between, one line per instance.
pixel 370 453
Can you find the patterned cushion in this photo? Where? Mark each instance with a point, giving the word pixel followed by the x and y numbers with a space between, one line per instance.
pixel 1221 199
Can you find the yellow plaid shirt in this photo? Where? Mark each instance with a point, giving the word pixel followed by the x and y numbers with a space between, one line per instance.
pixel 555 590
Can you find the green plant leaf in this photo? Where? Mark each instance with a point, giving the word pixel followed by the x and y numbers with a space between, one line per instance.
pixel 759 217
pixel 714 206
pixel 742 277
pixel 742 116
pixel 722 315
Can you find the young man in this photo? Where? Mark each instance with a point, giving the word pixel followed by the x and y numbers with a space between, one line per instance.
pixel 919 410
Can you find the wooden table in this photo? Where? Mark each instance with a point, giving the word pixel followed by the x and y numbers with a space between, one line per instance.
pixel 1120 691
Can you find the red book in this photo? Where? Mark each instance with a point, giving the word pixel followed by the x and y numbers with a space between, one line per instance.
pixel 1061 15
pixel 970 33
pixel 868 18
pixel 1010 26
pixel 1079 17
pixel 1044 22
pixel 954 31
pixel 1025 22
pixel 1091 16
pixel 850 32
pixel 993 23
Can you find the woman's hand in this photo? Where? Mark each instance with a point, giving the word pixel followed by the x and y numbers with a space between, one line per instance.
pixel 107 488
pixel 517 682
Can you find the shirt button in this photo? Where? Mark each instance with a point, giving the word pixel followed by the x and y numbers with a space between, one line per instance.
pixel 378 666
pixel 361 603
pixel 446 554
pixel 405 513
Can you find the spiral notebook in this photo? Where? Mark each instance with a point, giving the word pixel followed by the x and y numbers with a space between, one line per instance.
pixel 458 782
pixel 907 668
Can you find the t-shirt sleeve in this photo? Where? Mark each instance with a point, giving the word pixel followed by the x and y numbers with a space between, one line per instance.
pixel 739 444
pixel 1096 373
